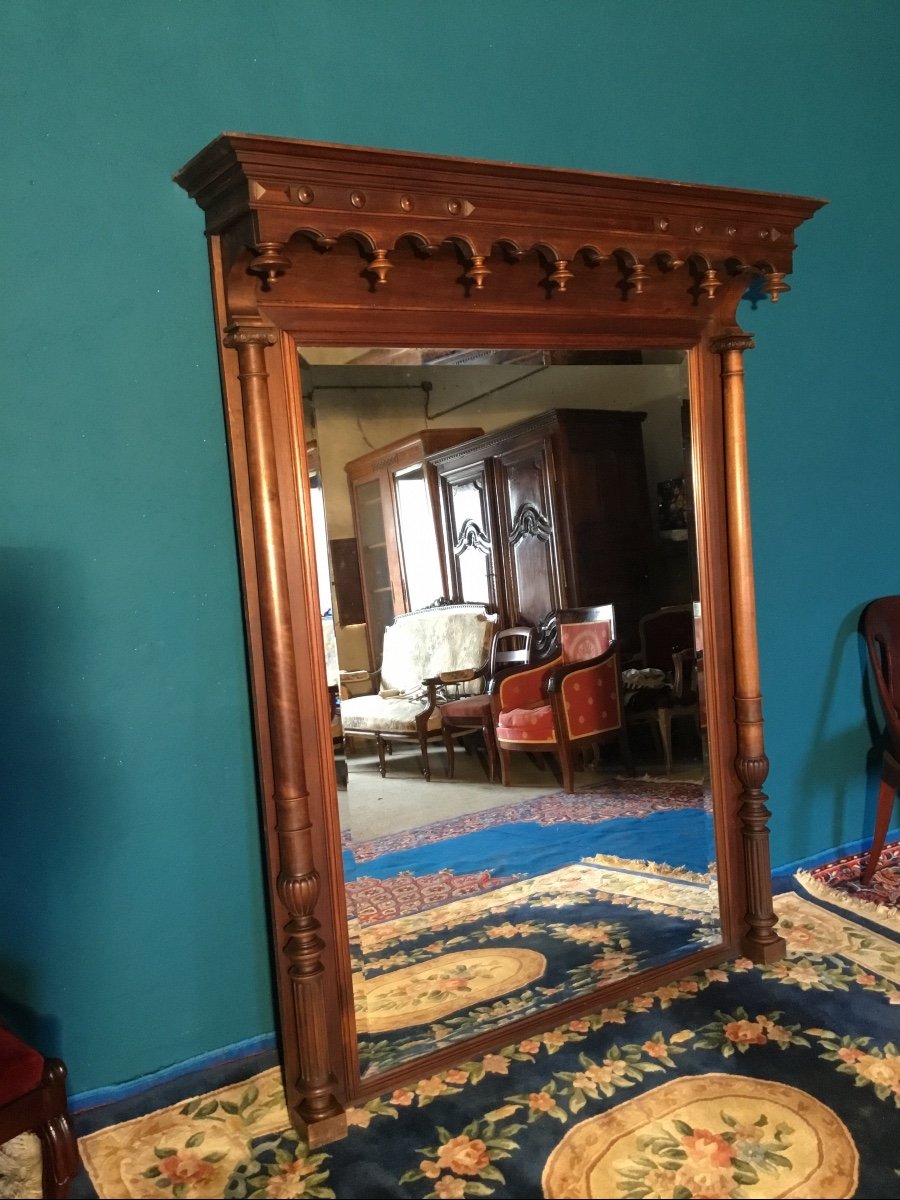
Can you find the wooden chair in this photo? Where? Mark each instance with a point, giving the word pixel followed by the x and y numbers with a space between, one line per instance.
pixel 667 647
pixel 429 657
pixel 569 703
pixel 510 648
pixel 33 1100
pixel 881 629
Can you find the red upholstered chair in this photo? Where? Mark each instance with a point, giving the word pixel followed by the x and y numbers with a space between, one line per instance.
pixel 881 629
pixel 510 648
pixel 33 1100
pixel 567 704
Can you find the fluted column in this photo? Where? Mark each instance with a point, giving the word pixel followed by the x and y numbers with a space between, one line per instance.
pixel 761 942
pixel 298 881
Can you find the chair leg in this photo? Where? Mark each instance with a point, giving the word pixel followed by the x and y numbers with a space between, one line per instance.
pixel 625 748
pixel 664 722
pixel 449 748
pixel 567 766
pixel 61 1160
pixel 505 764
pixel 379 743
pixel 490 745
pixel 886 794
pixel 426 766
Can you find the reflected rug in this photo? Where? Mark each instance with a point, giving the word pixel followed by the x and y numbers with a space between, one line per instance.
pixel 425 981
pixel 740 1081
pixel 841 883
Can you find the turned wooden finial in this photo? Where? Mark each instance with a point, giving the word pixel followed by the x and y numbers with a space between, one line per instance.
pixel 561 274
pixel 775 285
pixel 379 265
pixel 269 262
pixel 478 270
pixel 710 283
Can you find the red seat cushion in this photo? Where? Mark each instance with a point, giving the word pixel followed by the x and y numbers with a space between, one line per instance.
pixel 21 1068
pixel 467 708
pixel 526 725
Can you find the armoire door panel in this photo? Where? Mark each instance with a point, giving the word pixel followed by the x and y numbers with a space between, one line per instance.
pixel 529 534
pixel 471 535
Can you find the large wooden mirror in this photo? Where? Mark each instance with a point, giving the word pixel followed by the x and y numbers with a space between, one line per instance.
pixel 488 459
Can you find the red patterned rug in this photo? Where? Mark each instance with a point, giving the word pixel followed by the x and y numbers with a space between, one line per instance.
pixel 841 882
pixel 375 900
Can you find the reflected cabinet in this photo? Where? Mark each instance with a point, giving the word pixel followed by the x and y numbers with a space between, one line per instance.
pixel 396 524
pixel 523 389
pixel 551 512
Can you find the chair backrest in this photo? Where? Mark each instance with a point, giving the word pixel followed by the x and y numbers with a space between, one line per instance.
pixel 551 641
pixel 433 641
pixel 881 629
pixel 511 647
pixel 664 633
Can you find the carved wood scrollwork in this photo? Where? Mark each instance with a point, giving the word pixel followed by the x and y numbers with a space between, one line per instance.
pixel 471 537
pixel 529 521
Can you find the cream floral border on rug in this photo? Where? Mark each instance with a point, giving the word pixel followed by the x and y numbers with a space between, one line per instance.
pixel 191 1149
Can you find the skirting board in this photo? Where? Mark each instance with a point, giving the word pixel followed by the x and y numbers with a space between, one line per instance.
pixel 827 856
pixel 134 1087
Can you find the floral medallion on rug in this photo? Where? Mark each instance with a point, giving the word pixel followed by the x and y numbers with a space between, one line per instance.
pixel 741 1081
pixel 840 883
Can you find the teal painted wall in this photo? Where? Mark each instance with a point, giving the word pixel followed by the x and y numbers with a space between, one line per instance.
pixel 133 920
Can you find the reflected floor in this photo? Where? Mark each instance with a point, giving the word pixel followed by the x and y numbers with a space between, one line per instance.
pixel 471 904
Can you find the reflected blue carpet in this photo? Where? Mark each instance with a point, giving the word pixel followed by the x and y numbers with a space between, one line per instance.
pixel 681 838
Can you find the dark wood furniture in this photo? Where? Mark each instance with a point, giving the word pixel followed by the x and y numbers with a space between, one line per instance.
pixel 550 512
pixel 33 1100
pixel 318 244
pixel 382 514
pixel 511 648
pixel 667 645
pixel 881 629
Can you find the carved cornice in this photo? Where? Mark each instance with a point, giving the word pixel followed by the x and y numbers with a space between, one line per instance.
pixel 645 229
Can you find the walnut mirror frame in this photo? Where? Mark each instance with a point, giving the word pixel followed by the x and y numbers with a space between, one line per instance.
pixel 329 245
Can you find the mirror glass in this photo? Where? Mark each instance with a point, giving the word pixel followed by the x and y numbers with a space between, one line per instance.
pixel 507 562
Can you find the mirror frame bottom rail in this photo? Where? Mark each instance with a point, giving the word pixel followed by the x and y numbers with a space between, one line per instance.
pixel 328 245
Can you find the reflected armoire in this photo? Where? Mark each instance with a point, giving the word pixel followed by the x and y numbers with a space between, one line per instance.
pixel 324 245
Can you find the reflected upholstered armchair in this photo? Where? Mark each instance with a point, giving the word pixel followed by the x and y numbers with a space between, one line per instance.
pixel 567 704
pixel 662 686
pixel 429 656
pixel 881 629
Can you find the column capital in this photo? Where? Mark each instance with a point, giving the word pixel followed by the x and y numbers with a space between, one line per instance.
pixel 238 334
pixel 732 339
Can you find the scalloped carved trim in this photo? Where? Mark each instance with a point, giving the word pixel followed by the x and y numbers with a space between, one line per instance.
pixel 529 521
pixel 471 537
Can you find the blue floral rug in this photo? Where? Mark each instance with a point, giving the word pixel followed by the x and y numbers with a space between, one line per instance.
pixel 741 1081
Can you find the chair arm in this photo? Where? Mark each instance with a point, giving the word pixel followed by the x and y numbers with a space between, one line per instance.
pixel 348 679
pixel 557 677
pixel 525 688
pixel 584 691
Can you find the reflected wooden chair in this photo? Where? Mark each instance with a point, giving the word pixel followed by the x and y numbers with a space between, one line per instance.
pixel 667 649
pixel 33 1100
pixel 511 648
pixel 569 704
pixel 881 629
